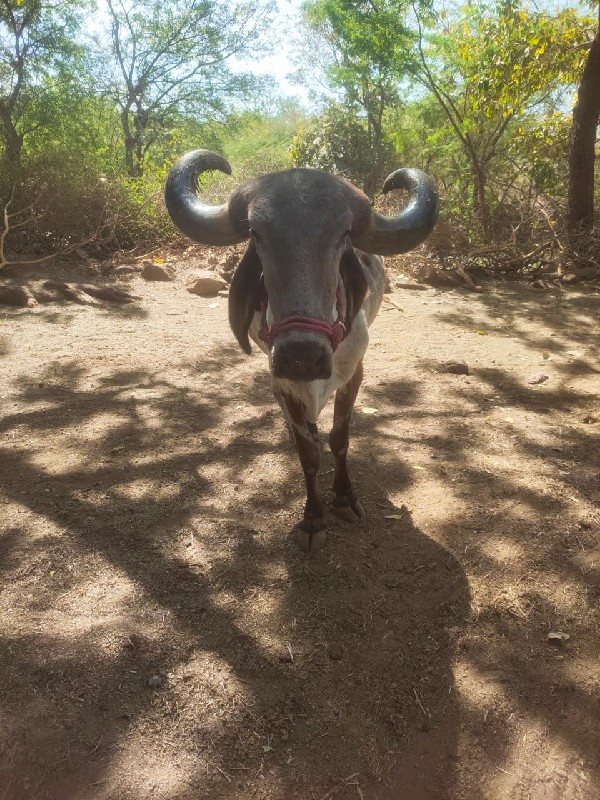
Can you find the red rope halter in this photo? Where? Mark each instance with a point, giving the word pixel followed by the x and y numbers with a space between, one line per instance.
pixel 335 331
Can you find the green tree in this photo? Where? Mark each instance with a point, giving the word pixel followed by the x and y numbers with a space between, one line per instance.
pixel 37 46
pixel 491 65
pixel 170 60
pixel 337 141
pixel 370 43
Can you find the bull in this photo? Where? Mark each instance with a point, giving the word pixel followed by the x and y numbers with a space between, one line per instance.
pixel 306 291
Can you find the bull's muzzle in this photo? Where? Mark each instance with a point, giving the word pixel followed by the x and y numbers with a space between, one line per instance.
pixel 302 356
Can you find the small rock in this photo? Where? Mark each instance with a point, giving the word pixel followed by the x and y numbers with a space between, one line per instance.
pixel 557 638
pixel 207 284
pixel 417 286
pixel 455 367
pixel 155 681
pixel 540 377
pixel 223 293
pixel 45 297
pixel 15 296
pixel 393 583
pixel 589 420
pixel 336 652
pixel 156 272
pixel 108 293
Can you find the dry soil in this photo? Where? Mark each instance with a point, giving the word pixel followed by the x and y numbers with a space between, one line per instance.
pixel 163 637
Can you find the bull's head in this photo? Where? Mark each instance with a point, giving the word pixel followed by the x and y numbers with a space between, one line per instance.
pixel 303 226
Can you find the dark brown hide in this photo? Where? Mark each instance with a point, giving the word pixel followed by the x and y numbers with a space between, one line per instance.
pixel 355 285
pixel 345 503
pixel 244 296
pixel 309 453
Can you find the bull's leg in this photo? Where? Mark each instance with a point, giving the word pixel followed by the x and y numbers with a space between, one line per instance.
pixel 345 504
pixel 310 534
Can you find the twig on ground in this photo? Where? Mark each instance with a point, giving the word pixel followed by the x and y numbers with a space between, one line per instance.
pixel 392 303
pixel 224 773
pixel 341 784
pixel 420 704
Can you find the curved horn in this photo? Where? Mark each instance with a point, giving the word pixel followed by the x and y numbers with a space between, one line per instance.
pixel 387 236
pixel 201 222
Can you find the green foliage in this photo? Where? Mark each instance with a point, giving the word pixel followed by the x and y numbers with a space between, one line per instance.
pixel 478 97
pixel 261 142
pixel 491 65
pixel 371 46
pixel 496 61
pixel 170 60
pixel 340 142
pixel 37 46
pixel 540 145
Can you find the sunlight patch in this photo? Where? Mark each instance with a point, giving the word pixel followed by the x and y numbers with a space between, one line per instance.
pixel 144 772
pixel 503 550
pixel 141 488
pixel 30 525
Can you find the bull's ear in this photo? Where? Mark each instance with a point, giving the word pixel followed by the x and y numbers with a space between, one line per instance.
pixel 244 295
pixel 355 284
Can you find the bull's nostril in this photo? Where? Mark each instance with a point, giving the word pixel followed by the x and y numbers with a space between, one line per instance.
pixel 301 358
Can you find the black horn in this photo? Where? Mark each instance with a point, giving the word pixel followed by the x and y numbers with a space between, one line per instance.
pixel 203 223
pixel 387 236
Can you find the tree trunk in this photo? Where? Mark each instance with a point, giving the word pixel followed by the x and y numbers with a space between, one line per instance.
pixel 13 141
pixel 133 150
pixel 134 141
pixel 580 214
pixel 479 200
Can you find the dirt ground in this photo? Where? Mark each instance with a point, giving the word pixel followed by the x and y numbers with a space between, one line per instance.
pixel 162 635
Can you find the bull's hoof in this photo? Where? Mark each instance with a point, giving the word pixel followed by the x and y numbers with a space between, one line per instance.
pixel 310 541
pixel 349 511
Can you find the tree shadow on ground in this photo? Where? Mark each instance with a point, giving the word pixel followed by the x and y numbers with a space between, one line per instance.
pixel 153 551
pixel 523 465
pixel 519 312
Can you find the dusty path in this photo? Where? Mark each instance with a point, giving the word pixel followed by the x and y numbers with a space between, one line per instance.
pixel 147 492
